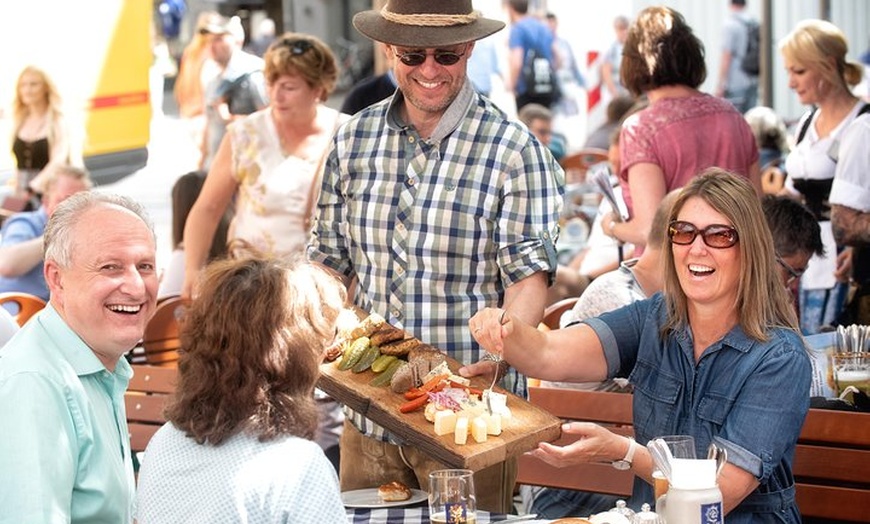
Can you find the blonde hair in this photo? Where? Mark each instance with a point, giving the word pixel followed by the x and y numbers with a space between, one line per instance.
pixel 20 110
pixel 821 46
pixel 762 301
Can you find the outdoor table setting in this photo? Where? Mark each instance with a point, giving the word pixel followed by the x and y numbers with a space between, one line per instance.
pixel 420 515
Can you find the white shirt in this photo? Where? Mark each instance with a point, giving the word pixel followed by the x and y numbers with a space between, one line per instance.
pixel 242 480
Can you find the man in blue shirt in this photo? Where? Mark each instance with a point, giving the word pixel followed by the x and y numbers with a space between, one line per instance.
pixel 65 451
pixel 21 245
pixel 528 33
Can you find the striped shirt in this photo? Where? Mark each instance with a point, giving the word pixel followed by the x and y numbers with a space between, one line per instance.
pixel 436 229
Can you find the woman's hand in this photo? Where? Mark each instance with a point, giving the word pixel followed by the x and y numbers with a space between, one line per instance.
pixel 489 327
pixel 608 220
pixel 595 444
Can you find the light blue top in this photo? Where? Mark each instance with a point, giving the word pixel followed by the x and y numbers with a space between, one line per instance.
pixel 19 228
pixel 65 450
pixel 284 480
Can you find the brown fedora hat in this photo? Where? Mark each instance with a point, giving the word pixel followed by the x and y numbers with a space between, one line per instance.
pixel 425 23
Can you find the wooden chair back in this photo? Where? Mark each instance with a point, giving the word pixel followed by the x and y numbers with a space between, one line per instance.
pixel 553 312
pixel 145 399
pixel 24 305
pixel 160 341
pixel 577 164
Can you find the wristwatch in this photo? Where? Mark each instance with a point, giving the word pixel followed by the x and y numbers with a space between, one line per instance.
pixel 625 463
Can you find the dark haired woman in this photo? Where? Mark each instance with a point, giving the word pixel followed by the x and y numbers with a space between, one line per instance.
pixel 682 132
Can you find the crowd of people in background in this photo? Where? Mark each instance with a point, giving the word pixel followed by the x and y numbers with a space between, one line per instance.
pixel 423 200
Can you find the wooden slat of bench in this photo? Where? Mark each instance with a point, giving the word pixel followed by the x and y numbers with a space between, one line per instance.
pixel 833 503
pixel 593 406
pixel 145 408
pixel 152 379
pixel 140 434
pixel 833 464
pixel 600 478
pixel 846 428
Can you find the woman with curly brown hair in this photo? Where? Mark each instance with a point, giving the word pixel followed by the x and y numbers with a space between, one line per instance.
pixel 236 445
pixel 683 130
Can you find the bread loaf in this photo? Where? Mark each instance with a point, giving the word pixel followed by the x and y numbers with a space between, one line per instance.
pixel 399 348
pixel 386 333
pixel 393 492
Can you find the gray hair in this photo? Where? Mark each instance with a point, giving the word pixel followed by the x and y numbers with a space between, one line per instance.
pixel 59 232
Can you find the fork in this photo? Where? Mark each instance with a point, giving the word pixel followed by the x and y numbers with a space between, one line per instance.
pixel 492 357
pixel 497 358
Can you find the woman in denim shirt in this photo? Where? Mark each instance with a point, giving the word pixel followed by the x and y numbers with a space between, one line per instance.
pixel 717 355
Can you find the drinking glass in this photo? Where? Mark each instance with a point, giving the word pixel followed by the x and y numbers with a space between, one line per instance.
pixel 851 369
pixel 451 497
pixel 680 447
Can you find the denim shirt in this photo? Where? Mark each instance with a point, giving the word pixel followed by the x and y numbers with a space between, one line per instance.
pixel 750 397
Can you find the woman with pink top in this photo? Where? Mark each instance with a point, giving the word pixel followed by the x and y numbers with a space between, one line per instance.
pixel 682 132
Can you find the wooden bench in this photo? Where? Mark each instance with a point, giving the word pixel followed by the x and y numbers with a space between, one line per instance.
pixel 145 398
pixel 831 466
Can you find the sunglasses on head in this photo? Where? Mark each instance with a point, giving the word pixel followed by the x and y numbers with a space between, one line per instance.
pixel 716 235
pixel 415 58
pixel 297 47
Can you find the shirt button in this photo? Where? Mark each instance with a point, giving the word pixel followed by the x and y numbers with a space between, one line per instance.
pixel 412 181
pixel 397 313
pixel 546 236
pixel 400 270
pixel 400 226
pixel 411 139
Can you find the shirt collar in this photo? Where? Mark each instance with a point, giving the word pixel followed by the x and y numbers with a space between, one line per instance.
pixel 451 119
pixel 73 349
pixel 736 339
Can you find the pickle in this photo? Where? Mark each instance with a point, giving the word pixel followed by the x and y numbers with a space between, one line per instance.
pixel 368 357
pixel 353 353
pixel 382 362
pixel 384 378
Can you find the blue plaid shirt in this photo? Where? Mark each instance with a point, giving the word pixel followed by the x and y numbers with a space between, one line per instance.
pixel 436 229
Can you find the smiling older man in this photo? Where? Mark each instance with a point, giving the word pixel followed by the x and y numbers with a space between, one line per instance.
pixel 65 451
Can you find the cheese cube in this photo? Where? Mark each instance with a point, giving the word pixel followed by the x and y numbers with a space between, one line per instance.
pixel 445 422
pixel 460 433
pixel 493 424
pixel 478 429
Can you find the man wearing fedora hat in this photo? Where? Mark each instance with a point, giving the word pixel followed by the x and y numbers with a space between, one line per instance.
pixel 433 205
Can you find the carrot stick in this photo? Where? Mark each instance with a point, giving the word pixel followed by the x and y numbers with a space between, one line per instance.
pixel 413 393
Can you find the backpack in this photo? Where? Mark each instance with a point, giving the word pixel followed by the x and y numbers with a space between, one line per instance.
pixel 539 76
pixel 751 63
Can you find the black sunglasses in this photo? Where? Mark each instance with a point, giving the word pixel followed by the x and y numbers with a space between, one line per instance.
pixel 715 235
pixel 415 58
pixel 793 274
pixel 297 47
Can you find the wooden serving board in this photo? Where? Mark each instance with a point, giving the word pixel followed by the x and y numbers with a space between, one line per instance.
pixel 528 426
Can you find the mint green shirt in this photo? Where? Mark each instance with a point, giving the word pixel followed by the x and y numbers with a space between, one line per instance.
pixel 64 446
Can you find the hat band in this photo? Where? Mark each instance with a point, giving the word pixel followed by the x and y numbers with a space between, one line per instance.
pixel 429 20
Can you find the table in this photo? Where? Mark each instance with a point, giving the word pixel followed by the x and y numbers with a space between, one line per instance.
pixel 408 515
